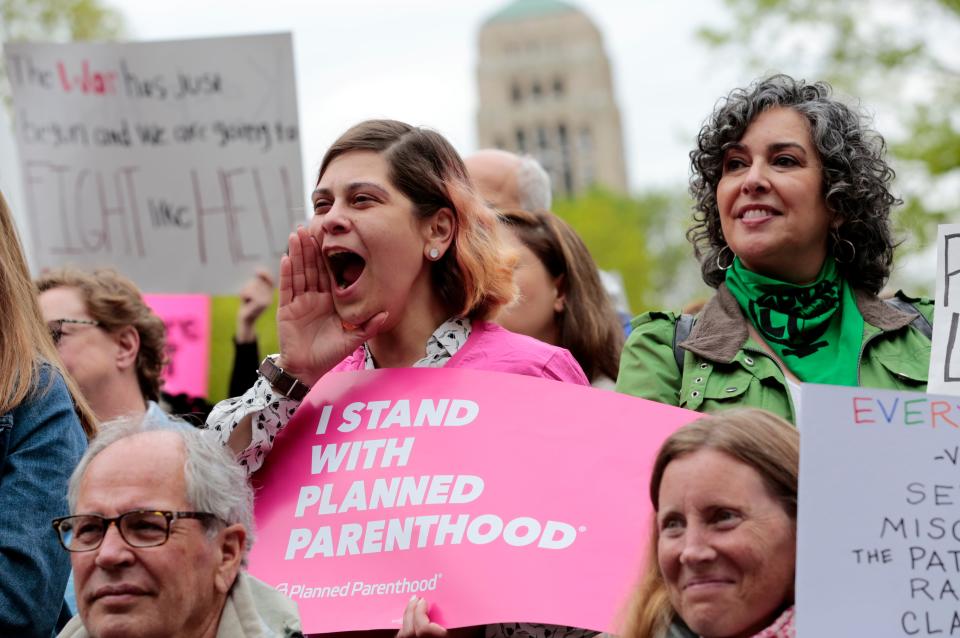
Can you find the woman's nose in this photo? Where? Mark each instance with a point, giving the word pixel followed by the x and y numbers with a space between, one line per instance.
pixel 755 180
pixel 696 548
pixel 335 221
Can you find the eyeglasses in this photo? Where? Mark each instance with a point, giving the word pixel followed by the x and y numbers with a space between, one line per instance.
pixel 139 528
pixel 56 327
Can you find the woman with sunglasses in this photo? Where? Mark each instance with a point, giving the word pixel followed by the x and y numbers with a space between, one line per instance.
pixel 110 341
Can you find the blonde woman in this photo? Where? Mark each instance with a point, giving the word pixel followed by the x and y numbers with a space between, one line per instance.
pixel 723 547
pixel 44 425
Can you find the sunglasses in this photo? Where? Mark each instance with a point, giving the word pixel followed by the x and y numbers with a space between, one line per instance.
pixel 56 327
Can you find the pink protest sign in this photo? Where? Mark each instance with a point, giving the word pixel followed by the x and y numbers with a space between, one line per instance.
pixel 497 497
pixel 187 318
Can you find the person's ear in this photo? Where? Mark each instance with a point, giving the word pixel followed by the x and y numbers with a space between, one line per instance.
pixel 560 293
pixel 438 233
pixel 128 347
pixel 230 545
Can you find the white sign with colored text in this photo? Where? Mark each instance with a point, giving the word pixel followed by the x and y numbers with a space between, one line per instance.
pixel 176 162
pixel 879 516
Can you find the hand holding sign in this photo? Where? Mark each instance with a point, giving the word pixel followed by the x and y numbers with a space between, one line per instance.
pixel 416 622
pixel 313 338
pixel 399 482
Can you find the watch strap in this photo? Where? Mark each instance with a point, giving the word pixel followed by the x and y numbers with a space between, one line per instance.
pixel 282 381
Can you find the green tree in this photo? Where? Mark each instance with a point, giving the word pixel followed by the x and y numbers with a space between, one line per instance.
pixel 55 21
pixel 899 58
pixel 638 237
pixel 58 20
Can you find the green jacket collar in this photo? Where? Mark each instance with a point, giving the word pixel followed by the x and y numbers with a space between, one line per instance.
pixel 721 329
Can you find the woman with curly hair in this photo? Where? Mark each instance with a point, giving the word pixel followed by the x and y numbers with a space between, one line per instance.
pixel 792 229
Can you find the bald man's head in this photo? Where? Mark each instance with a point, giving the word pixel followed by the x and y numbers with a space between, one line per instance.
pixel 507 181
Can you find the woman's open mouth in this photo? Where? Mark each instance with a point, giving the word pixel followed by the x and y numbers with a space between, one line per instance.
pixel 345 267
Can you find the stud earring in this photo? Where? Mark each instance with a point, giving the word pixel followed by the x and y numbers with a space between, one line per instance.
pixel 434 254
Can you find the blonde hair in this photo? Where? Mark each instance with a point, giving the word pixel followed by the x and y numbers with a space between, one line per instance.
pixel 765 442
pixel 115 302
pixel 25 342
pixel 474 278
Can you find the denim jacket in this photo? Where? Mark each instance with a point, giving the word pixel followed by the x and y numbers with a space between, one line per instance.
pixel 41 441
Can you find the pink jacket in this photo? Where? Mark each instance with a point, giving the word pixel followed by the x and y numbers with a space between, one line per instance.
pixel 495 349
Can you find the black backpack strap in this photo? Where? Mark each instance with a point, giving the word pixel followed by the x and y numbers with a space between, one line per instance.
pixel 920 323
pixel 681 331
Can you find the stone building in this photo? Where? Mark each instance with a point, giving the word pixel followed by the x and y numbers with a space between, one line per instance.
pixel 545 89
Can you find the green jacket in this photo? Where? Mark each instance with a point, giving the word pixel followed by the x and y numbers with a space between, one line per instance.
pixel 723 367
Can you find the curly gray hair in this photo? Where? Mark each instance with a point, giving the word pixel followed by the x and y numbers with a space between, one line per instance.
pixel 856 175
pixel 215 482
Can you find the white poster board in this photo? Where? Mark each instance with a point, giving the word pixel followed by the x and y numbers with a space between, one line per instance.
pixel 944 377
pixel 879 518
pixel 177 163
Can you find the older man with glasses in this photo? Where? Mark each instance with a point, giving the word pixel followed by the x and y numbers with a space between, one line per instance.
pixel 161 521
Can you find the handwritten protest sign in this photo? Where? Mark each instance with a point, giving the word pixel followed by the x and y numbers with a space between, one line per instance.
pixel 497 497
pixel 879 520
pixel 944 374
pixel 187 320
pixel 178 163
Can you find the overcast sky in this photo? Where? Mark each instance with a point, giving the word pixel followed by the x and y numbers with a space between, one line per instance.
pixel 415 61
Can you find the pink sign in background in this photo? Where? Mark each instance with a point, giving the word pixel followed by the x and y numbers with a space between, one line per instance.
pixel 564 468
pixel 187 318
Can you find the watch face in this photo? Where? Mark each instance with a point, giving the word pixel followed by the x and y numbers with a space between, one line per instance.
pixel 269 370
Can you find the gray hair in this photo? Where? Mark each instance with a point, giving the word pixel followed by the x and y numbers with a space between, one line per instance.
pixel 533 185
pixel 856 175
pixel 215 482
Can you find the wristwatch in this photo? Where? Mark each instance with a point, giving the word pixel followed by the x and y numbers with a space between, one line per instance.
pixel 281 381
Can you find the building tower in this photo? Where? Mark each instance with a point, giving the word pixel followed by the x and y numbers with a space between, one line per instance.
pixel 545 89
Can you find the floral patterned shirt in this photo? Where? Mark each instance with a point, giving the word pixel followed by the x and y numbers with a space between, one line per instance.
pixel 272 411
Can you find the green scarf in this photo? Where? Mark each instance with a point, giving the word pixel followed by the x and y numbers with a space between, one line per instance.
pixel 815 329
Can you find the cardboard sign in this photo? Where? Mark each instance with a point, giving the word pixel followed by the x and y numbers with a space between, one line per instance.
pixel 178 162
pixel 497 497
pixel 187 319
pixel 944 377
pixel 879 519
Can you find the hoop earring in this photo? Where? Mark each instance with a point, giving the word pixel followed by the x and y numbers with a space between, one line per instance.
pixel 837 244
pixel 719 254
